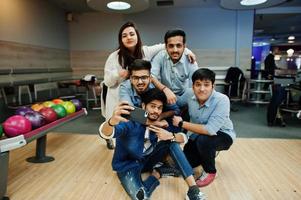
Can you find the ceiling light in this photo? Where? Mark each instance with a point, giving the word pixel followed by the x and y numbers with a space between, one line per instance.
pixel 291 37
pixel 291 42
pixel 252 2
pixel 118 5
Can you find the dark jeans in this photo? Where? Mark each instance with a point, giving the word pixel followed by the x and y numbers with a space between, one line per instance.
pixel 131 180
pixel 279 95
pixel 202 150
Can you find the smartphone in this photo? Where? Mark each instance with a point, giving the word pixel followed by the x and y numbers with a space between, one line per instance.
pixel 138 115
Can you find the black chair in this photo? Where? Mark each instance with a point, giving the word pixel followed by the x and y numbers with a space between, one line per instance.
pixel 235 85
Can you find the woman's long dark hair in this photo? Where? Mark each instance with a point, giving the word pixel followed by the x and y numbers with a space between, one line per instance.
pixel 125 58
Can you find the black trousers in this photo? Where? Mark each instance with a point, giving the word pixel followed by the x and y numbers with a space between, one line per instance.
pixel 202 150
pixel 279 95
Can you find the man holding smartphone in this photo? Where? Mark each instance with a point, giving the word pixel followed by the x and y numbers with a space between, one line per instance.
pixel 133 155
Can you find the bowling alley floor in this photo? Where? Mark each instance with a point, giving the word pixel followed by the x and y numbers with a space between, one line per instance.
pixel 252 169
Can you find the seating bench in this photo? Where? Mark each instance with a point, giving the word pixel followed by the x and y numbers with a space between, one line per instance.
pixel 22 78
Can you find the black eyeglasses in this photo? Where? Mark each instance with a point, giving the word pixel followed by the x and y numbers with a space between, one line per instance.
pixel 142 78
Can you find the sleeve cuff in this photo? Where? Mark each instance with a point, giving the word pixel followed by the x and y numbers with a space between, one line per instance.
pixel 101 134
pixel 210 130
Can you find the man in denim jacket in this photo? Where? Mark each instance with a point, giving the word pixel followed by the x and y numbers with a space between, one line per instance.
pixel 139 148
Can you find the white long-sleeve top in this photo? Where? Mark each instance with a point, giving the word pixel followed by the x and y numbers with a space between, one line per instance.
pixel 113 80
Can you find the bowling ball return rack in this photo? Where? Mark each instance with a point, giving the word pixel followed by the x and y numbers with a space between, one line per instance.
pixel 40 135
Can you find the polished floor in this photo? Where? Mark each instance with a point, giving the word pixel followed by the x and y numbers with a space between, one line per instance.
pixel 252 169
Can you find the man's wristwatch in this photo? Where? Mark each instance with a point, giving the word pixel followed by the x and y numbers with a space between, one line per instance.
pixel 180 124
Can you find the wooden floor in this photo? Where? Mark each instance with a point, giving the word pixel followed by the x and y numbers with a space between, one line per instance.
pixel 252 169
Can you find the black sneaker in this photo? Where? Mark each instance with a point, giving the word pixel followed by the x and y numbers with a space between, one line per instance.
pixel 166 170
pixel 110 144
pixel 194 193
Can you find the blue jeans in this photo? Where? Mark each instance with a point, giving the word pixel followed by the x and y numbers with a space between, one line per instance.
pixel 131 179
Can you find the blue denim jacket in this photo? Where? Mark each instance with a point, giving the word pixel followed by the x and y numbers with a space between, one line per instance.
pixel 129 145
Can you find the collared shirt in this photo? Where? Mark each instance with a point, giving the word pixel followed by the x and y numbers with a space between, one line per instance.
pixel 129 94
pixel 176 76
pixel 214 115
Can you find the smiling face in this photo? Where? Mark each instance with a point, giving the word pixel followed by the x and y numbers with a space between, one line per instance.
pixel 129 38
pixel 175 47
pixel 202 90
pixel 154 109
pixel 140 80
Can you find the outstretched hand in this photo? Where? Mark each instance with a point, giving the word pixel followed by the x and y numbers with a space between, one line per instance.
pixel 122 108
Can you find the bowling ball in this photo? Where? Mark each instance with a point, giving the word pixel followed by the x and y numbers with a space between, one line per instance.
pixel 16 125
pixel 23 110
pixel 57 101
pixel 37 107
pixel 48 103
pixel 78 105
pixel 1 131
pixel 49 114
pixel 60 110
pixel 36 119
pixel 69 106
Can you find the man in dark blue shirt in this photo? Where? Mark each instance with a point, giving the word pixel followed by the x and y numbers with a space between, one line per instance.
pixel 139 148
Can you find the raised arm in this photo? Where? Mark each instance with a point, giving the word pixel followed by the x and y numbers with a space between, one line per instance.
pixel 107 127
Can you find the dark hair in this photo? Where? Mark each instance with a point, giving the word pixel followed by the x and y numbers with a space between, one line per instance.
pixel 139 64
pixel 173 33
pixel 203 74
pixel 153 94
pixel 125 58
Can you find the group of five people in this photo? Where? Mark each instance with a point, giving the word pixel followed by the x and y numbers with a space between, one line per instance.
pixel 163 87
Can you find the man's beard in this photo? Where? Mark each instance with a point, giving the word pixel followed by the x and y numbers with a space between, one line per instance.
pixel 151 119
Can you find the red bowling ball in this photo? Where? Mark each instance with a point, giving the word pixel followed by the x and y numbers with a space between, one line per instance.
pixel 16 125
pixel 49 114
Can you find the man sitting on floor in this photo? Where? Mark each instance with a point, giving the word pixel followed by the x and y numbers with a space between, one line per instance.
pixel 139 148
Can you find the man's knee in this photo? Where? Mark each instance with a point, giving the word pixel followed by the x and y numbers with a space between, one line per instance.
pixel 204 142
